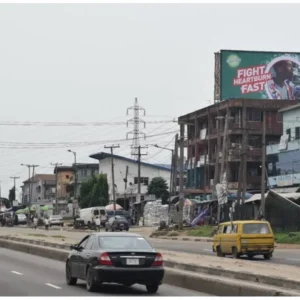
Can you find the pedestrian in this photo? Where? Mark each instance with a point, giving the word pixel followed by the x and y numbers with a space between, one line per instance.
pixel 46 223
pixel 35 222
pixel 97 223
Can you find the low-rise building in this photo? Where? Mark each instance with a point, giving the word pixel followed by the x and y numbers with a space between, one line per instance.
pixel 122 165
pixel 283 157
pixel 65 181
pixel 42 188
pixel 205 126
pixel 84 172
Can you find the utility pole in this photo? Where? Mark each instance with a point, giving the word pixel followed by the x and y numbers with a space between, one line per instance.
pixel 223 158
pixel 242 173
pixel 76 179
pixel 113 173
pixel 171 177
pixel 224 146
pixel 14 178
pixel 30 181
pixel 56 183
pixel 181 182
pixel 33 174
pixel 175 171
pixel 139 155
pixel 263 166
pixel 216 177
pixel 125 181
pixel 245 156
pixel 196 126
pixel 28 166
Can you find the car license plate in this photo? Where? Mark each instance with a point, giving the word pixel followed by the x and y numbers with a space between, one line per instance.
pixel 132 261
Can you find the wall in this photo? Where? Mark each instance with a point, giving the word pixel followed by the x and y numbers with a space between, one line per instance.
pixel 64 178
pixel 291 120
pixel 84 174
pixel 284 165
pixel 120 173
pixel 38 195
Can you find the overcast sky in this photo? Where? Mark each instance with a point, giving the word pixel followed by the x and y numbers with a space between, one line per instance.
pixel 87 63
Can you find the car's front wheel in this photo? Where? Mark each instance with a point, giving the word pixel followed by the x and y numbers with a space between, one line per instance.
pixel 70 280
pixel 90 282
pixel 152 288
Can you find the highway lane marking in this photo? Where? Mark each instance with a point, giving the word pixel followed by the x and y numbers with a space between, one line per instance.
pixel 53 286
pixel 17 273
pixel 296 259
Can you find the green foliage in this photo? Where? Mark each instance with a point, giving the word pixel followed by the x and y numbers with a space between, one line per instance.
pixel 288 238
pixel 94 192
pixel 6 202
pixel 12 194
pixel 204 231
pixel 159 187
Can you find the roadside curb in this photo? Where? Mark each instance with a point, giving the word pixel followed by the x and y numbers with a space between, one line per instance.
pixel 185 239
pixel 205 271
pixel 210 240
pixel 214 285
pixel 68 229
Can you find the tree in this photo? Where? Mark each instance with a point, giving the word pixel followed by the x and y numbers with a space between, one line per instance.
pixel 12 194
pixel 94 192
pixel 6 202
pixel 159 187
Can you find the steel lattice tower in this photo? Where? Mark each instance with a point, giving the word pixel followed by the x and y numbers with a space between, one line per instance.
pixel 136 133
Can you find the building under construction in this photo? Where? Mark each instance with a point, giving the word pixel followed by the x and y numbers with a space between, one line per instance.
pixel 226 135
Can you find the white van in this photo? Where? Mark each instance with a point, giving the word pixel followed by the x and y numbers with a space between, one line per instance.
pixel 87 215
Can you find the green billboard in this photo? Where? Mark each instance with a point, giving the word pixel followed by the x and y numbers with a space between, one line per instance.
pixel 259 75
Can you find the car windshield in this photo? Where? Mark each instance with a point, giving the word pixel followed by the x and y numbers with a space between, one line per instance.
pixel 124 243
pixel 256 228
pixel 55 217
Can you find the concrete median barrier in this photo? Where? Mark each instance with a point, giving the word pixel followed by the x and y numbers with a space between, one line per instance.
pixel 179 275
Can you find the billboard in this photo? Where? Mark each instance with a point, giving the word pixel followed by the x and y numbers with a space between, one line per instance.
pixel 259 75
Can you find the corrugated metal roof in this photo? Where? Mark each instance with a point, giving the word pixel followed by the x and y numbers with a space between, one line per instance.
pixel 257 197
pixel 286 190
pixel 103 155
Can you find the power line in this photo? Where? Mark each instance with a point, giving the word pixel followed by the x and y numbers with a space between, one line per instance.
pixel 17 145
pixel 77 124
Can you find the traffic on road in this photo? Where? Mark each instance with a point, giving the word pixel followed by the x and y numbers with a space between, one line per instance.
pixel 281 256
pixel 126 259
pixel 28 275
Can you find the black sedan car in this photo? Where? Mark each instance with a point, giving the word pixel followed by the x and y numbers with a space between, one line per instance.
pixel 122 258
pixel 117 223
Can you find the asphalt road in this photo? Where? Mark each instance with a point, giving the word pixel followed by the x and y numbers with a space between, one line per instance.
pixel 281 256
pixel 28 275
